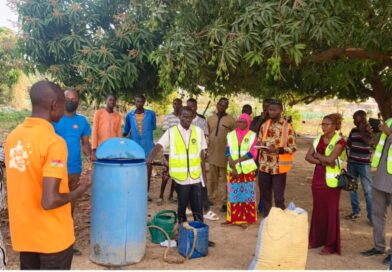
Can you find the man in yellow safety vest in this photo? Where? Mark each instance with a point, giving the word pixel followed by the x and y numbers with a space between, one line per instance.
pixel 186 144
pixel 381 190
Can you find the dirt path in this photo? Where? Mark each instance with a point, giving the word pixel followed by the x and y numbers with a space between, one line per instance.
pixel 235 247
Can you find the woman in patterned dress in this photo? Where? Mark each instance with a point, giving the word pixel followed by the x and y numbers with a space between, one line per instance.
pixel 241 186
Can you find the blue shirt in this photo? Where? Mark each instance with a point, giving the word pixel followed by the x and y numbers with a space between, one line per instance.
pixel 72 129
pixel 146 138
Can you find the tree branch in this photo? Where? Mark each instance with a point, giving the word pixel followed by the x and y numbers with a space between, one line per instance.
pixel 348 53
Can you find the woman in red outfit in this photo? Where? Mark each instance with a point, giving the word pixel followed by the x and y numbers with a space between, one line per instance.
pixel 325 225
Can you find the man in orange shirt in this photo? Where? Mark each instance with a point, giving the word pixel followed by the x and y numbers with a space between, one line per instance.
pixel 106 124
pixel 39 207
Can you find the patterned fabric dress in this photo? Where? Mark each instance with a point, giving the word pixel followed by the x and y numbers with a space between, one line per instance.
pixel 241 206
pixel 241 190
pixel 3 257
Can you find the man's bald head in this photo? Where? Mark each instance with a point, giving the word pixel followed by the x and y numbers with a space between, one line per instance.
pixel 47 100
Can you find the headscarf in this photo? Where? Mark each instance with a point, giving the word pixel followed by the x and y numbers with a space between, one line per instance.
pixel 241 133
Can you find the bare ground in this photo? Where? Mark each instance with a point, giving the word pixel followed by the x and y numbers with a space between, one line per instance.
pixel 235 247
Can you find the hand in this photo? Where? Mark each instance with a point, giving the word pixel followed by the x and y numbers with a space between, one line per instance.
pixel 234 172
pixel 93 156
pixel 84 182
pixel 272 150
pixel 165 163
pixel 150 160
pixel 384 128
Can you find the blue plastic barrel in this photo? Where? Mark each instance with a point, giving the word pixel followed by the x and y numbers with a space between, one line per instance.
pixel 119 203
pixel 186 240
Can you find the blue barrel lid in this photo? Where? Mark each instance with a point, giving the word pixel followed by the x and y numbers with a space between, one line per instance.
pixel 120 148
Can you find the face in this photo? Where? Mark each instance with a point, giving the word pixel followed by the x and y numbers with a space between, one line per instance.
pixel 139 103
pixel 274 111
pixel 57 108
pixel 247 109
pixel 222 106
pixel 242 124
pixel 358 119
pixel 265 107
pixel 186 118
pixel 192 105
pixel 328 126
pixel 71 101
pixel 177 105
pixel 111 102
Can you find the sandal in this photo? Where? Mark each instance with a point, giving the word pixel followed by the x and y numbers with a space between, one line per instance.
pixel 211 216
pixel 352 216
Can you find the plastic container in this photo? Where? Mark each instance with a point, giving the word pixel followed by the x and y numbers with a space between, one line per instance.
pixel 186 240
pixel 119 203
pixel 165 219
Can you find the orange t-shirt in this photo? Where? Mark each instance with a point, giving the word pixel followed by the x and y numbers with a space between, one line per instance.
pixel 33 151
pixel 139 120
pixel 105 125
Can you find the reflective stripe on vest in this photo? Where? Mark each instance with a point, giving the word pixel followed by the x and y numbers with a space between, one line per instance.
pixel 285 160
pixel 330 172
pixel 238 151
pixel 380 147
pixel 183 160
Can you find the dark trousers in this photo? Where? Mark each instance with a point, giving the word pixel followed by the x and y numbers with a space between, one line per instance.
pixel 272 184
pixel 189 194
pixel 41 261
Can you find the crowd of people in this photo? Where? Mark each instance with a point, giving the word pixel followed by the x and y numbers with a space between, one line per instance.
pixel 43 156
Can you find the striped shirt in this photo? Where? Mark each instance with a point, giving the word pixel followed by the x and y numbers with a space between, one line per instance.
pixel 169 121
pixel 360 151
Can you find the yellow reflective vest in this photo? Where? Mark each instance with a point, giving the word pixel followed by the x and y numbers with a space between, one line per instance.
pixel 331 172
pixel 184 161
pixel 380 147
pixel 239 150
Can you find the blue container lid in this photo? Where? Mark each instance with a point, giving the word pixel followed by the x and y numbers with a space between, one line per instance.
pixel 120 149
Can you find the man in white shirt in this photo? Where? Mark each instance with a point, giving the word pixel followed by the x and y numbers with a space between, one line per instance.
pixel 189 189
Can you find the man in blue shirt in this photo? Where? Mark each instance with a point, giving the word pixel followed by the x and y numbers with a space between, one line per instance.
pixel 140 124
pixel 75 130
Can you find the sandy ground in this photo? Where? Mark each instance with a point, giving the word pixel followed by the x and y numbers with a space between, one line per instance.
pixel 235 247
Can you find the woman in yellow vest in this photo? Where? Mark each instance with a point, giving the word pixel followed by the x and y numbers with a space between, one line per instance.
pixel 241 167
pixel 325 153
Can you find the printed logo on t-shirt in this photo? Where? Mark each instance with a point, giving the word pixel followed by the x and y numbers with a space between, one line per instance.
pixel 75 126
pixel 57 163
pixel 19 157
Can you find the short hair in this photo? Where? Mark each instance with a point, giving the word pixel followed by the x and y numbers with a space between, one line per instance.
pixel 111 95
pixel 246 106
pixel 336 119
pixel 140 96
pixel 275 102
pixel 177 99
pixel 361 113
pixel 267 100
pixel 191 100
pixel 223 99
pixel 186 108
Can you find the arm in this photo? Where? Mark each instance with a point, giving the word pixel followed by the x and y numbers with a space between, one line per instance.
pixel 127 126
pixel 94 134
pixel 310 156
pixel 154 121
pixel 364 131
pixel 52 198
pixel 86 147
pixel 330 160
pixel 154 152
pixel 203 165
pixel 165 124
pixel 118 127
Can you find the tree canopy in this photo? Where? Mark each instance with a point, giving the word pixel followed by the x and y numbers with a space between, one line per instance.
pixel 9 72
pixel 296 49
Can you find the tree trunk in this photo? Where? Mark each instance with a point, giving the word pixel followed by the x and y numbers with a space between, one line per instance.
pixel 383 97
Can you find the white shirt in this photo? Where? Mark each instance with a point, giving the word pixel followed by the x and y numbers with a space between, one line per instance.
pixel 164 141
pixel 201 123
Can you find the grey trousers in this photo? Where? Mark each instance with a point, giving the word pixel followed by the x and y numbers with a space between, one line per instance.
pixel 380 202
